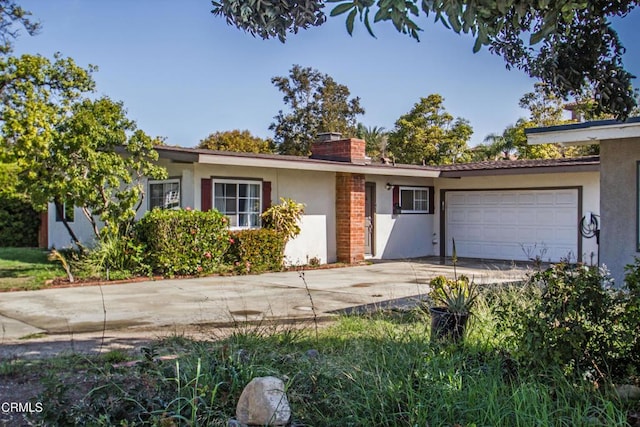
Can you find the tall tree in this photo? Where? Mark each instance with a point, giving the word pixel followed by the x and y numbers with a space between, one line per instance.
pixel 10 15
pixel 236 140
pixel 571 44
pixel 375 139
pixel 317 103
pixel 68 149
pixel 429 134
pixel 505 144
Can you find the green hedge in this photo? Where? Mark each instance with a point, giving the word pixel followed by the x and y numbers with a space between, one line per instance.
pixel 184 242
pixel 256 251
pixel 19 223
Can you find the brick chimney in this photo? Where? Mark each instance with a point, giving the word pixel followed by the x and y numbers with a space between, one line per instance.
pixel 331 146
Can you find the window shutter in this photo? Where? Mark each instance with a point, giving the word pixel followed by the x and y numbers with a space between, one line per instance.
pixel 266 195
pixel 206 194
pixel 396 199
pixel 432 201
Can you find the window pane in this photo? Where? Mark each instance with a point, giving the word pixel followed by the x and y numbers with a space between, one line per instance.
pixel 155 196
pixel 242 190
pixel 254 220
pixel 421 200
pixel 406 200
pixel 242 205
pixel 254 190
pixel 421 205
pixel 219 204
pixel 243 220
pixel 230 206
pixel 230 190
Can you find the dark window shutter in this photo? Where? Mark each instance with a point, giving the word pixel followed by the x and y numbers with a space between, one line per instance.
pixel 432 200
pixel 266 195
pixel 206 194
pixel 396 199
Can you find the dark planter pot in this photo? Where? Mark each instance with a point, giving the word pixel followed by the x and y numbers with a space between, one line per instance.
pixel 446 325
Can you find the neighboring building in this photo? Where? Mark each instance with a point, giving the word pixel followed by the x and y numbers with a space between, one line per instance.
pixel 619 183
pixel 510 210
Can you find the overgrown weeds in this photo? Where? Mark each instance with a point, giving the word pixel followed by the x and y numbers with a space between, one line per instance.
pixel 379 369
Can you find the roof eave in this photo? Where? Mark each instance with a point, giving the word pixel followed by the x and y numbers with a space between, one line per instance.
pixel 584 133
pixel 590 167
pixel 316 165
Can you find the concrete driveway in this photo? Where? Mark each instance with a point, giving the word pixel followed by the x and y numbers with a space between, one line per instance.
pixel 220 301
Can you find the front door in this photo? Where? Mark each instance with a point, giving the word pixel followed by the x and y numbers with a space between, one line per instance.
pixel 369 217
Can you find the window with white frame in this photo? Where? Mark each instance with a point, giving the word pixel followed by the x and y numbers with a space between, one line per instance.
pixel 164 194
pixel 240 201
pixel 414 199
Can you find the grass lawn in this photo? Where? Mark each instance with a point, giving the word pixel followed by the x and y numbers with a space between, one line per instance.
pixel 26 269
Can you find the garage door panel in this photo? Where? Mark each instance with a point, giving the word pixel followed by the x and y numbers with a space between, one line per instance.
pixel 541 199
pixel 567 197
pixel 513 224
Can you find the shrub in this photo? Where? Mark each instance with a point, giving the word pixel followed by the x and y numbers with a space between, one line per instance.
pixel 184 242
pixel 116 257
pixel 577 324
pixel 256 251
pixel 284 218
pixel 632 312
pixel 19 222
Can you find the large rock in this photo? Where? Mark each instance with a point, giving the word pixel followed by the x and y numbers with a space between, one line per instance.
pixel 263 402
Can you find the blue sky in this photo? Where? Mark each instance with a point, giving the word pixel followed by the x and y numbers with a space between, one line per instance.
pixel 183 73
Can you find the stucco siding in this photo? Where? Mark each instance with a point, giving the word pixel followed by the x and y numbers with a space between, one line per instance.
pixel 618 204
pixel 589 181
pixel 60 238
pixel 316 190
pixel 400 235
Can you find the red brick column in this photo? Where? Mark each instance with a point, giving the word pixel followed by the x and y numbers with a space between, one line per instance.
pixel 350 217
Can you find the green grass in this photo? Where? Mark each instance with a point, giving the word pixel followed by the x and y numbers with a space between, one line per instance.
pixel 378 370
pixel 26 269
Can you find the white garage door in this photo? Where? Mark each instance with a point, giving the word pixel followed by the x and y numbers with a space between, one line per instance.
pixel 513 224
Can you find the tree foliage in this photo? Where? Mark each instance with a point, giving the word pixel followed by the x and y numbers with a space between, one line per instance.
pixel 545 109
pixel 429 134
pixel 10 15
pixel 273 18
pixel 317 103
pixel 70 149
pixel 375 139
pixel 236 140
pixel 571 44
pixel 504 145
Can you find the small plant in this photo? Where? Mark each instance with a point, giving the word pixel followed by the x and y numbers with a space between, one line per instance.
pixel 284 218
pixel 456 295
pixel 314 261
pixel 116 256
pixel 54 255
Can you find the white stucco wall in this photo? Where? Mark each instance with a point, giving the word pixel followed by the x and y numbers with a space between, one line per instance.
pixel 60 238
pixel 401 235
pixel 316 190
pixel 589 181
